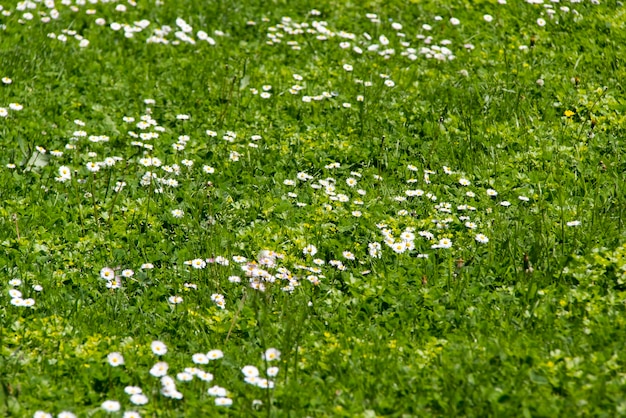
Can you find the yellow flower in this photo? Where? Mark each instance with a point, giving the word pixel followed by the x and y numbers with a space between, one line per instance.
pixel 569 113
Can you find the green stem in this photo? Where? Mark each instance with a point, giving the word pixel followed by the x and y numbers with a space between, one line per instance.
pixel 93 200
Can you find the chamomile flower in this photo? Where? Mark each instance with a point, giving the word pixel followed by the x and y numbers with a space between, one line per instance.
pixel 178 213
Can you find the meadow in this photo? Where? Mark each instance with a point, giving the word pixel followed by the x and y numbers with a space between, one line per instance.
pixel 309 209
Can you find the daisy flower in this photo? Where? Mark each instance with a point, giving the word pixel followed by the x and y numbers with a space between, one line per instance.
pixel 309 250
pixel 184 377
pixel 215 354
pixel 198 263
pixel 107 273
pixel 348 255
pixel 217 391
pixel 200 358
pixel 271 354
pixel 250 371
pixel 111 406
pixel 159 369
pixel 175 299
pixel 204 376
pixel 115 359
pixel 93 167
pixel 132 390
pixel 445 243
pixel 481 238
pixel 158 348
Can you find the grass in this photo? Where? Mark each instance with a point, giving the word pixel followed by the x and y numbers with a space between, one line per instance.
pixel 274 217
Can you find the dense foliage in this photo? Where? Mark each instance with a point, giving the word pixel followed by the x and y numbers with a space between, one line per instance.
pixel 297 208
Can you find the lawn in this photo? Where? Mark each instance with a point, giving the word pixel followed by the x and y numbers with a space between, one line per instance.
pixel 308 209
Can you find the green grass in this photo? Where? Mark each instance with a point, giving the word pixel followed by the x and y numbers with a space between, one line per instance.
pixel 502 169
